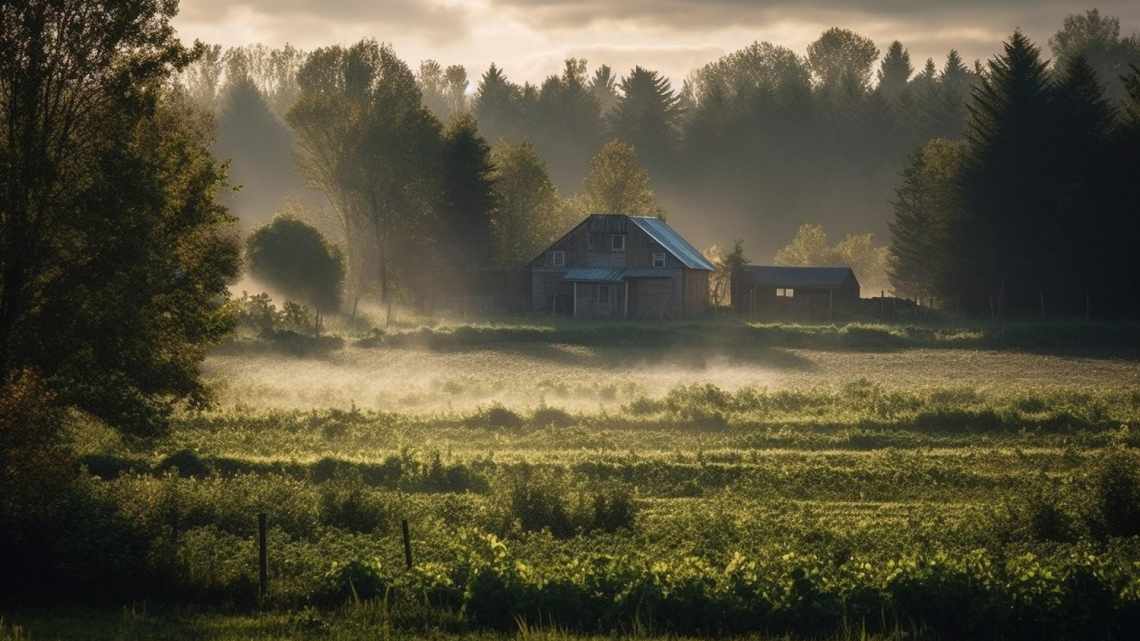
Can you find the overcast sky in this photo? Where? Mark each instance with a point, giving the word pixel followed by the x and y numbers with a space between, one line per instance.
pixel 530 38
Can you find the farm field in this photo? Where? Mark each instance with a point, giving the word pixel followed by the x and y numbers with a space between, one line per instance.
pixel 795 486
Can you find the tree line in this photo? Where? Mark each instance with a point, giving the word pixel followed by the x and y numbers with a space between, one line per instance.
pixel 1034 210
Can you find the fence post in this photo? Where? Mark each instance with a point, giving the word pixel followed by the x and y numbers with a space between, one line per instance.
pixel 407 543
pixel 262 556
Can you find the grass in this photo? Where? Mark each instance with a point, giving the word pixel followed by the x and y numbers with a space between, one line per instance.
pixel 577 488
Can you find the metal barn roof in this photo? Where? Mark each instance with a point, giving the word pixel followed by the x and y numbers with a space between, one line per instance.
pixel 804 277
pixel 673 242
pixel 594 274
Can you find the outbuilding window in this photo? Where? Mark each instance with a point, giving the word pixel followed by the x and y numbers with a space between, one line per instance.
pixel 617 242
pixel 558 258
pixel 782 292
pixel 659 259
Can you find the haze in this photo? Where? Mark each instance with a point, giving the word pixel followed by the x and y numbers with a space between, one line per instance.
pixel 531 38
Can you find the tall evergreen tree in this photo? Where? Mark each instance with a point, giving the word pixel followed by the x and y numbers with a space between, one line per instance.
pixel 603 86
pixel 894 72
pixel 925 207
pixel 1003 239
pixel 468 193
pixel 648 117
pixel 1085 221
pixel 497 105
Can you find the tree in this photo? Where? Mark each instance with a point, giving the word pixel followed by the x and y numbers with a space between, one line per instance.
pixel 810 247
pixel 565 123
pixel 203 77
pixel 648 118
pixel 603 86
pixel 497 105
pixel 1006 189
pixel 456 76
pixel 924 209
pixel 369 144
pixel 114 256
pixel 841 56
pixel 433 88
pixel 294 258
pixel 259 148
pixel 726 265
pixel 1096 38
pixel 529 215
pixel 894 72
pixel 468 193
pixel 1086 220
pixel 618 184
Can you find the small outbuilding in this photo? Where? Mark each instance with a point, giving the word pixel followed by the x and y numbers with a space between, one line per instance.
pixel 794 292
pixel 612 266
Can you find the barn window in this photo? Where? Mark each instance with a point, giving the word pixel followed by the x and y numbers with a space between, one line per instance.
pixel 617 242
pixel 785 293
pixel 558 258
pixel 659 259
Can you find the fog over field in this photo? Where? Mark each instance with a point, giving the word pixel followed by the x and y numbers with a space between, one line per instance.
pixel 581 378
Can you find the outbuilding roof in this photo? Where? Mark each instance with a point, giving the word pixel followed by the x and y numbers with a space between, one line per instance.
pixel 803 277
pixel 673 242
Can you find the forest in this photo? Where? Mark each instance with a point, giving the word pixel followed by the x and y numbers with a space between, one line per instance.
pixel 235 402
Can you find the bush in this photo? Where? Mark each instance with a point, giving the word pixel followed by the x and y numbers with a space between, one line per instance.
pixel 187 463
pixel 1115 498
pixel 612 510
pixel 551 417
pixel 496 417
pixel 351 581
pixel 350 506
pixel 294 258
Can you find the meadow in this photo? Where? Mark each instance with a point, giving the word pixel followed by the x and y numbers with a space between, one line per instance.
pixel 714 479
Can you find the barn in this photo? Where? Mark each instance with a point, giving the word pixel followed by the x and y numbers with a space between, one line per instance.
pixel 613 266
pixel 794 292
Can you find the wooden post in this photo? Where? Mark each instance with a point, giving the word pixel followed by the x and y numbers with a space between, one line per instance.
pixel 574 302
pixel 262 556
pixel 830 302
pixel 625 302
pixel 407 543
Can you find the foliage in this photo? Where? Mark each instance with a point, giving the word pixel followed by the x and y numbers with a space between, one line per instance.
pixel 530 214
pixel 113 248
pixel 469 195
pixel 617 183
pixel 295 259
pixel 720 284
pixel 648 118
pixel 810 247
pixel 925 208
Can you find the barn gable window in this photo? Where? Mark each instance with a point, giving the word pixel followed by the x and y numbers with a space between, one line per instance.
pixel 658 259
pixel 782 292
pixel 617 242
pixel 558 258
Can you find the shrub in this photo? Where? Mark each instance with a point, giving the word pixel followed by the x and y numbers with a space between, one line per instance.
pixel 1115 498
pixel 495 417
pixel 295 258
pixel 612 509
pixel 353 580
pixel 350 506
pixel 551 417
pixel 541 504
pixel 187 463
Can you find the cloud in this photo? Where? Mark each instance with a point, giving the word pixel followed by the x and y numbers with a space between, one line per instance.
pixel 309 22
pixel 724 14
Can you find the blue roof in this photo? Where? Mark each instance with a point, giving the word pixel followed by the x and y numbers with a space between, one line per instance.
pixel 673 243
pixel 594 274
